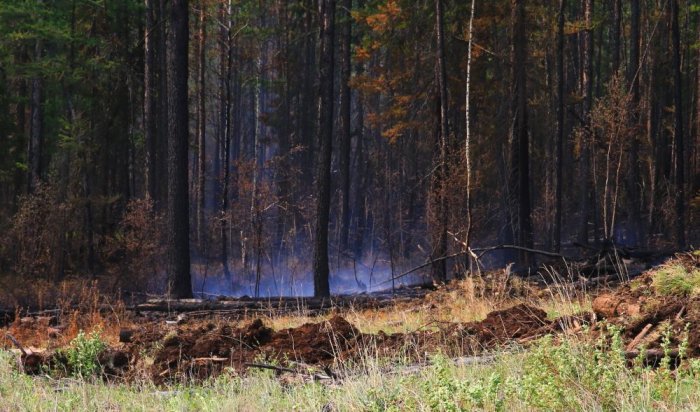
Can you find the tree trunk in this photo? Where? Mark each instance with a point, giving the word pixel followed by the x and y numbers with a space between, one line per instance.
pixel 345 110
pixel 587 90
pixel 36 133
pixel 634 181
pixel 678 127
pixel 162 172
pixel 467 130
pixel 520 153
pixel 149 100
pixel 616 34
pixel 201 124
pixel 440 237
pixel 325 133
pixel 560 124
pixel 178 228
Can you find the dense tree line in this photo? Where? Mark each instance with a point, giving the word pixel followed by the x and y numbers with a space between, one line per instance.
pixel 258 128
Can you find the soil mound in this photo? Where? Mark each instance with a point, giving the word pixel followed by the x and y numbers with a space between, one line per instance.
pixel 314 343
pixel 503 325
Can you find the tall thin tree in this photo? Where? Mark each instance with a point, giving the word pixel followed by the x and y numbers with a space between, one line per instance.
pixel 520 149
pixel 325 136
pixel 178 227
pixel 440 235
pixel 345 112
pixel 678 126
pixel 560 125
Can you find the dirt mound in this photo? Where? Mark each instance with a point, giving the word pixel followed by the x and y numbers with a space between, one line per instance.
pixel 512 323
pixel 205 350
pixel 314 343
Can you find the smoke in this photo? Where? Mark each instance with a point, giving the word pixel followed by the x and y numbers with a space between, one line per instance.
pixel 288 278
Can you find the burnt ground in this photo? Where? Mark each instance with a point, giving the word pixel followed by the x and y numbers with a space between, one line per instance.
pixel 170 349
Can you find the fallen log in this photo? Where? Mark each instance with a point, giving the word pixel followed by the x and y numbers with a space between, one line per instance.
pixel 633 344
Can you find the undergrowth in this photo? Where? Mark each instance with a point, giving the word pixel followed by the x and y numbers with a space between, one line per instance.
pixel 567 375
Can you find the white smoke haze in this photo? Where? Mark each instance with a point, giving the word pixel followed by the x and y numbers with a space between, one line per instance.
pixel 292 277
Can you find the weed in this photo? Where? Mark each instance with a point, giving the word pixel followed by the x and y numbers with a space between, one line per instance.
pixel 82 354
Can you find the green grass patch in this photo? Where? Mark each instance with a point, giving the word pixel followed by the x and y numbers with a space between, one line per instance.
pixel 675 280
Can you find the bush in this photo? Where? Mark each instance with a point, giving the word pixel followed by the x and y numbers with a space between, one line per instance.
pixel 83 353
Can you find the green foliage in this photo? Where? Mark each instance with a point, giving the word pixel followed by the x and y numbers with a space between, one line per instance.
pixel 82 355
pixel 675 280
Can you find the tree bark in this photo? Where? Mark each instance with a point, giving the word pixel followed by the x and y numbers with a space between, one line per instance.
pixel 440 237
pixel 178 198
pixel 587 90
pixel 325 133
pixel 223 159
pixel 616 34
pixel 36 133
pixel 149 100
pixel 633 73
pixel 201 124
pixel 678 127
pixel 520 152
pixel 560 124
pixel 467 129
pixel 345 111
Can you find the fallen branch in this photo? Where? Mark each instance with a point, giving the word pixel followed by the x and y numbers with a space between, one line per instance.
pixel 211 359
pixel 521 248
pixel 270 367
pixel 314 376
pixel 472 251
pixel 16 343
pixel 639 337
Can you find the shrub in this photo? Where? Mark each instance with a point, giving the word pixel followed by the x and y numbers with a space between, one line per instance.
pixel 83 353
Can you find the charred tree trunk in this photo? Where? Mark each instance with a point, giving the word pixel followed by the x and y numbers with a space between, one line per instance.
pixel 520 152
pixel 678 127
pixel 178 228
pixel 201 124
pixel 560 125
pixel 633 73
pixel 149 100
pixel 345 110
pixel 36 133
pixel 162 129
pixel 325 133
pixel 587 136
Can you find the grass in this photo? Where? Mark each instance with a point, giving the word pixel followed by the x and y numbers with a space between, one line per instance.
pixel 676 280
pixel 571 375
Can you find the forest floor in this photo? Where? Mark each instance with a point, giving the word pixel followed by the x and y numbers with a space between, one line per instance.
pixel 495 342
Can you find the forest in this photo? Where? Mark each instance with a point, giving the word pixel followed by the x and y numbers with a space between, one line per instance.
pixel 231 157
pixel 277 144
